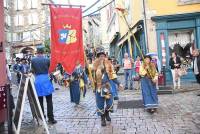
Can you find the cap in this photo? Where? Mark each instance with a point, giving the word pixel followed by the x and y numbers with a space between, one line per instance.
pixel 40 50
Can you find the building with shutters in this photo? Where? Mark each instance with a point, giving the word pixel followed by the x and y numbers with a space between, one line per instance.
pixel 27 25
pixel 110 28
pixel 91 31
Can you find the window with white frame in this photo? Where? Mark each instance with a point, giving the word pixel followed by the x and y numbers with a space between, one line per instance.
pixel 19 36
pixel 5 3
pixel 33 18
pixel 27 36
pixel 19 20
pixel 36 34
pixel 8 20
pixel 19 4
pixel 43 16
pixel 32 4
pixel 14 37
pixel 8 37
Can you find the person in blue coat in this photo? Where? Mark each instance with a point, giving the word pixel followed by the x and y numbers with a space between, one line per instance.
pixel 44 88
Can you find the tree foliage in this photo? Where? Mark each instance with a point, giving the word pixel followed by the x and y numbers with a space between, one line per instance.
pixel 47 46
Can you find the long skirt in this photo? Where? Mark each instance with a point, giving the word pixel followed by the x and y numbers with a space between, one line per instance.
pixel 149 93
pixel 75 91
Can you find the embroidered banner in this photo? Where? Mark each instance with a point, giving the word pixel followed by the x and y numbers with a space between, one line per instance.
pixel 66 38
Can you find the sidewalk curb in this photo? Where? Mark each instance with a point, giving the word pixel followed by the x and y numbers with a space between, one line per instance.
pixel 170 90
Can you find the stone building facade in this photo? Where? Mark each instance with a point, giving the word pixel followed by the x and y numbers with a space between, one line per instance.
pixel 27 25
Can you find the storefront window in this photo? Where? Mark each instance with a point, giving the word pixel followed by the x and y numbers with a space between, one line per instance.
pixel 180 41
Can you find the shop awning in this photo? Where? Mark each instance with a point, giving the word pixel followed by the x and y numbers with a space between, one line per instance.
pixel 115 38
pixel 125 37
pixel 134 29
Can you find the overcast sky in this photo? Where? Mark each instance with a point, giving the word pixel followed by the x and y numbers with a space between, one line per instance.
pixel 87 3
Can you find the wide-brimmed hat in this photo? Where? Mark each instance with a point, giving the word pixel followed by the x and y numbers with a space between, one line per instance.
pixel 100 51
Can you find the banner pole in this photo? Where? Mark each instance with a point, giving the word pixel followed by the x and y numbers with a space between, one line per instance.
pixel 49 4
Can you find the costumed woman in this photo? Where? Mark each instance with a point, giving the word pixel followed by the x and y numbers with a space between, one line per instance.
pixel 149 78
pixel 74 84
pixel 103 94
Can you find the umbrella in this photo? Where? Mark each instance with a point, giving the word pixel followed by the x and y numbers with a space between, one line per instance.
pixel 152 54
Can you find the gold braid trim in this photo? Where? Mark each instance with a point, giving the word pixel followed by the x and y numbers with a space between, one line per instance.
pixel 111 108
pixel 101 111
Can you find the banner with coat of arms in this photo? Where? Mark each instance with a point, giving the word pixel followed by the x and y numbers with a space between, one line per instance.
pixel 66 38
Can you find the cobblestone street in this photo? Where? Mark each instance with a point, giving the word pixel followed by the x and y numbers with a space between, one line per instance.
pixel 178 114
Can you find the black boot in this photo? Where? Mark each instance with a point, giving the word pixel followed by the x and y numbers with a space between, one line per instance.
pixel 103 121
pixel 52 121
pixel 107 115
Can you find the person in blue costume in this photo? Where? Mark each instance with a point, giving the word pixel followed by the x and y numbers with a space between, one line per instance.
pixel 44 88
pixel 74 85
pixel 104 98
pixel 149 78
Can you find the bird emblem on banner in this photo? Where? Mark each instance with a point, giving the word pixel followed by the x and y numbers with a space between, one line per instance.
pixel 67 35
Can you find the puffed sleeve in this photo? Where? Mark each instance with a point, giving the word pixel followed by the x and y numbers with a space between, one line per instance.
pixel 155 77
pixel 142 71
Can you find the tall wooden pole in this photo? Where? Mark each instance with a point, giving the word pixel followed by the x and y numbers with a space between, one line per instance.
pixel 130 31
pixel 145 25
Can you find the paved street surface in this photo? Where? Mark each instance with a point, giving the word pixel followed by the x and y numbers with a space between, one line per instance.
pixel 178 114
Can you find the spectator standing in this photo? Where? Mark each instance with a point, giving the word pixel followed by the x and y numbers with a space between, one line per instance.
pixel 127 64
pixel 16 69
pixel 175 64
pixel 24 68
pixel 137 65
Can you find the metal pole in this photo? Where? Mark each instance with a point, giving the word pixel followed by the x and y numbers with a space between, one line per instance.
pixel 46 24
pixel 145 26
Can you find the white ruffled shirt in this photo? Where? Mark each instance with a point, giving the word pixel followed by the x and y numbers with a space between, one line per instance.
pixel 196 71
